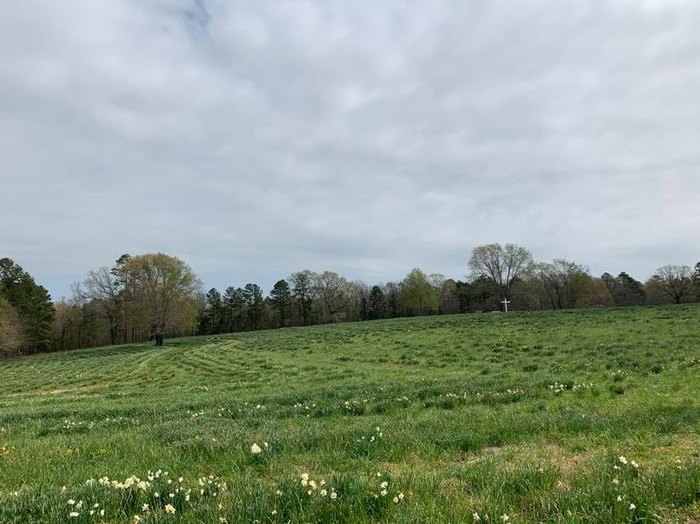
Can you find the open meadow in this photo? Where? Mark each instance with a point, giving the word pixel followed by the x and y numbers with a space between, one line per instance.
pixel 569 416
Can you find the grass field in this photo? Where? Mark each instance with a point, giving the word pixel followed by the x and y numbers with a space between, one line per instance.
pixel 572 416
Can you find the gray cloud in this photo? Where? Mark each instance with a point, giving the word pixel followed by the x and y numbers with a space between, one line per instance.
pixel 253 139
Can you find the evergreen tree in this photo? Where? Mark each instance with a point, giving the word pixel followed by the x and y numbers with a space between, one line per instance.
pixel 31 302
pixel 376 303
pixel 281 297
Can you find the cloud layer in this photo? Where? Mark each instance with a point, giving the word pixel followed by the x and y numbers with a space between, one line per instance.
pixel 253 139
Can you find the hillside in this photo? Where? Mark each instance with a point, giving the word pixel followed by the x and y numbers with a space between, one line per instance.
pixel 577 416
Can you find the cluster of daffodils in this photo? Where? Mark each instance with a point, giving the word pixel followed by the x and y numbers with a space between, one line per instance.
pixel 158 491
pixel 557 387
pixel 209 486
pixel 374 437
pixel 384 491
pixel 620 465
pixel 403 399
pixel 623 460
pixel 71 424
pixel 354 407
pixel 224 411
pixel 76 508
pixel 515 391
pixel 314 488
pixel 257 450
pixel 304 406
pixel 195 414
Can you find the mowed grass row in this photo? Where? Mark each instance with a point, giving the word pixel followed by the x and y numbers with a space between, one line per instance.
pixel 573 416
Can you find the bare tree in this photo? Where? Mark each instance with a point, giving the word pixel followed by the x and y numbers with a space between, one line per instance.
pixel 101 288
pixel 502 265
pixel 332 292
pixel 562 281
pixel 675 281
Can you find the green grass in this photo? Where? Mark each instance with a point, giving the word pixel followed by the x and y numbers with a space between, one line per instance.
pixel 523 415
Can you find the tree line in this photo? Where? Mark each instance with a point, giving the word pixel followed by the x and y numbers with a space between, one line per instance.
pixel 151 296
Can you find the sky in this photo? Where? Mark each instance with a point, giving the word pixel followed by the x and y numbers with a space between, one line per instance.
pixel 254 139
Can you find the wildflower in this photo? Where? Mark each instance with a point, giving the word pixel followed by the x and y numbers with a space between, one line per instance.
pixel 632 507
pixel 476 517
pixel 400 496
pixel 255 449
pixel 616 482
pixel 71 502
pixel 384 484
pixel 334 495
pixel 396 499
pixel 180 480
pixel 324 493
pixel 145 508
pixel 156 495
pixel 278 493
pixel 312 484
pixel 622 459
pixel 505 518
pixel 136 519
pixel 266 445
pixel 169 508
pixel 383 493
pixel 274 512
pixel 73 514
pixel 619 498
pixel 634 464
pixel 102 513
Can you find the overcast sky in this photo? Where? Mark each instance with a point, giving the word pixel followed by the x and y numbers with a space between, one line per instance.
pixel 253 139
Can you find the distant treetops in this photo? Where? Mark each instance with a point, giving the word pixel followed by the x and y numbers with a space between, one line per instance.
pixel 155 295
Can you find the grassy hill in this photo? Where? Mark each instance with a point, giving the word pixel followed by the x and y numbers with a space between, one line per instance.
pixel 572 416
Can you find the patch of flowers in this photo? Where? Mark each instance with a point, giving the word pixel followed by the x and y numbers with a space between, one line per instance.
pixel 560 388
pixel 354 407
pixel 140 497
pixel 373 437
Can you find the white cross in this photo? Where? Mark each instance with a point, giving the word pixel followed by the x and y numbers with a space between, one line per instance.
pixel 505 303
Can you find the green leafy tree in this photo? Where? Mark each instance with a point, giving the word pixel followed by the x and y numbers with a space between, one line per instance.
pixel 31 302
pixel 419 295
pixel 168 288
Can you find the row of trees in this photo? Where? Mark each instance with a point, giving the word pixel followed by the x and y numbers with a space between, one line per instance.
pixel 155 295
